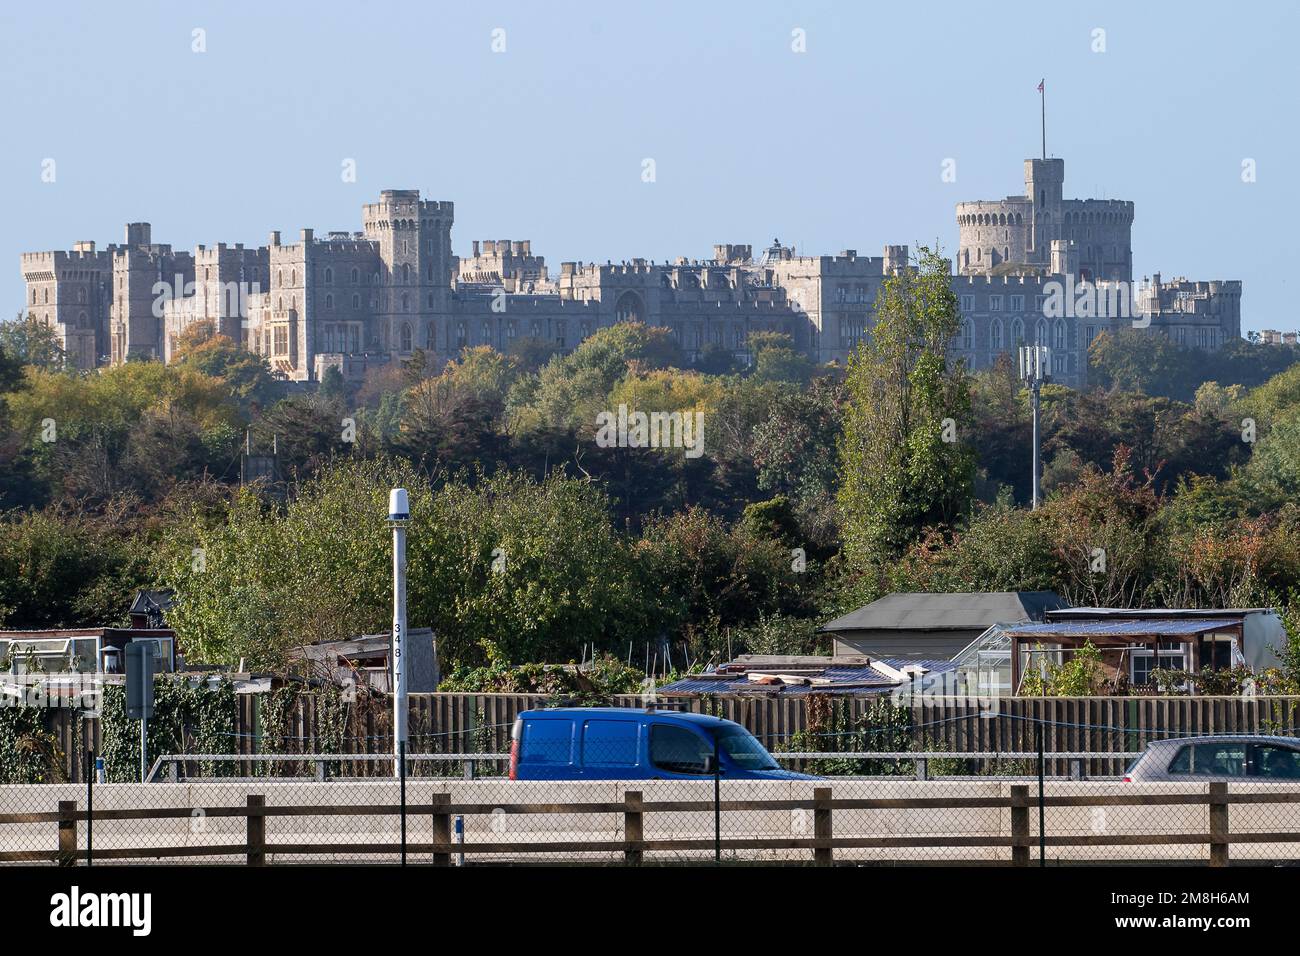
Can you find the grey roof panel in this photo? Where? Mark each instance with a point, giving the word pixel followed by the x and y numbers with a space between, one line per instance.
pixel 916 611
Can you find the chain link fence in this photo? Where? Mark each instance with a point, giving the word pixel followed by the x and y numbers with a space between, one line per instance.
pixel 692 802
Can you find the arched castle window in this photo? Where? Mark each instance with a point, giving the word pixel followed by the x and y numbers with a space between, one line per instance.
pixel 1017 333
pixel 485 334
pixel 995 335
pixel 1058 336
pixel 405 337
pixel 45 297
pixel 81 296
pixel 1006 252
pixel 460 334
pixel 430 336
pixel 430 270
pixel 279 277
pixel 329 302
pixel 1040 332
pixel 535 330
pixel 356 300
pixel 279 304
pixel 406 272
pixel 967 335
pixel 293 277
pixel 329 276
pixel 356 275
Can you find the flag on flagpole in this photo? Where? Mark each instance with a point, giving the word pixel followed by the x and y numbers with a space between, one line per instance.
pixel 1040 84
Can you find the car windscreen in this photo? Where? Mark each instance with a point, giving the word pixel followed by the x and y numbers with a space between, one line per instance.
pixel 744 749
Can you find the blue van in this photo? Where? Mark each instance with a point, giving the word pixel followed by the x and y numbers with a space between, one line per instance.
pixel 619 743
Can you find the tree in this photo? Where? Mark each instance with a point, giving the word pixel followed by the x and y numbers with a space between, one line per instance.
pixel 903 456
pixel 532 569
pixel 246 374
pixel 777 360
pixel 32 342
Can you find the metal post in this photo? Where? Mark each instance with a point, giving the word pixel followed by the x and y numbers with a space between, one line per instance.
pixel 1042 832
pixel 717 804
pixel 144 749
pixel 1034 397
pixel 90 803
pixel 398 514
pixel 401 762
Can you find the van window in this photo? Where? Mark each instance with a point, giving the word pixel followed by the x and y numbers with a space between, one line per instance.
pixel 547 740
pixel 744 749
pixel 610 743
pixel 678 750
pixel 1211 760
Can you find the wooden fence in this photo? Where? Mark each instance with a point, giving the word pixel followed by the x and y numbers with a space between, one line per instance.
pixel 634 848
pixel 481 723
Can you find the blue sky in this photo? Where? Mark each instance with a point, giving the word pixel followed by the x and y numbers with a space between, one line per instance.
pixel 838 147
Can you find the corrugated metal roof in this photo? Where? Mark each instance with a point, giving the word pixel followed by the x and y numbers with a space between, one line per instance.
pixel 846 678
pixel 916 611
pixel 1149 627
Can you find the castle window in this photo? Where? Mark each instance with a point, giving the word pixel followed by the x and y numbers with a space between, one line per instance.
pixel 45 297
pixel 329 302
pixel 279 277
pixel 356 275
pixel 968 303
pixel 995 303
pixel 460 335
pixel 485 334
pixel 1017 333
pixel 406 270
pixel 1017 303
pixel 430 336
pixel 1058 337
pixel 431 300
pixel 967 335
pixel 405 337
pixel 356 300
pixel 293 277
pixel 1040 333
pixel 995 335
pixel 329 276
pixel 406 302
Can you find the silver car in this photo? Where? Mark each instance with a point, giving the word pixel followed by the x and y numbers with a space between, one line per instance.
pixel 1228 758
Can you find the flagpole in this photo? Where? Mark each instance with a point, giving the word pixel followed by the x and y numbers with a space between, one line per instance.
pixel 1042 96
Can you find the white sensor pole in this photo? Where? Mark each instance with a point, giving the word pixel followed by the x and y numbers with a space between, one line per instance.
pixel 399 512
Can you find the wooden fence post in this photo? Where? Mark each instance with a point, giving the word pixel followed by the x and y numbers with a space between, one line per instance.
pixel 256 830
pixel 633 827
pixel 1020 824
pixel 67 832
pixel 823 830
pixel 441 828
pixel 1219 824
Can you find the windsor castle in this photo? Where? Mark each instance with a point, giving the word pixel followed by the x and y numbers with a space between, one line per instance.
pixel 354 300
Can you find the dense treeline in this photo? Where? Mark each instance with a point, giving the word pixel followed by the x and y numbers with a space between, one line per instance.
pixel 819 488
